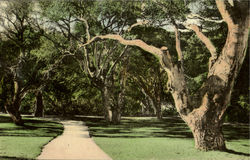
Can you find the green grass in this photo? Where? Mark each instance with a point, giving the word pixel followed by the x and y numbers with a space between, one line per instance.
pixel 25 142
pixel 170 139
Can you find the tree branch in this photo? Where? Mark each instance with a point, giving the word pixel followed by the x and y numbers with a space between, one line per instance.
pixel 137 24
pixel 205 40
pixel 86 63
pixel 87 27
pixel 117 59
pixel 196 16
pixel 139 43
pixel 178 43
pixel 221 5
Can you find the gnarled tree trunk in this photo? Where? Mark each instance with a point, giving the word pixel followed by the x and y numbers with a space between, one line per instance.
pixel 204 114
pixel 11 100
pixel 207 131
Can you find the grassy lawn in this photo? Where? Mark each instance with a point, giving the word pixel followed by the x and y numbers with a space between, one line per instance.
pixel 170 139
pixel 25 142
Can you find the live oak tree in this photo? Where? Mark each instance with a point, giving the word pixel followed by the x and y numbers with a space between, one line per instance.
pixel 98 60
pixel 203 112
pixel 19 35
pixel 27 71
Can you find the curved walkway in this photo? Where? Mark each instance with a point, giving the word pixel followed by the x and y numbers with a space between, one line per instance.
pixel 74 143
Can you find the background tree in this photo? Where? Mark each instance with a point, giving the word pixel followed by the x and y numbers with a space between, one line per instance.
pixel 150 77
pixel 98 60
pixel 23 38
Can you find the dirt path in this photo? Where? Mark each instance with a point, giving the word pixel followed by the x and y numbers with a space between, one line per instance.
pixel 74 143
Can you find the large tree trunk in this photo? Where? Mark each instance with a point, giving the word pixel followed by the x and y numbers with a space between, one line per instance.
pixel 207 132
pixel 13 103
pixel 116 117
pixel 106 104
pixel 39 107
pixel 12 99
pixel 13 110
pixel 157 105
pixel 204 112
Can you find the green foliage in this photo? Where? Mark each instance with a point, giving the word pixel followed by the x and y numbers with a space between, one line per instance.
pixel 239 108
pixel 244 102
pixel 56 10
pixel 8 53
pixel 28 104
pixel 162 11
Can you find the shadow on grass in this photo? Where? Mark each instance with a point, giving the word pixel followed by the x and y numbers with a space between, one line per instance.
pixel 31 128
pixel 236 131
pixel 12 158
pixel 138 128
pixel 237 153
pixel 173 127
pixel 169 127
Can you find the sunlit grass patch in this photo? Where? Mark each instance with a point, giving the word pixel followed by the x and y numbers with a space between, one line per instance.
pixel 20 142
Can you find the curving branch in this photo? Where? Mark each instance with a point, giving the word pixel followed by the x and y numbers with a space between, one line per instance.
pixel 87 27
pixel 86 63
pixel 196 16
pixel 205 40
pixel 221 5
pixel 139 43
pixel 178 43
pixel 144 22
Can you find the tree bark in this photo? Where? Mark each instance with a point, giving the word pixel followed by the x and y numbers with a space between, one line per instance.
pixel 13 110
pixel 204 112
pixel 116 117
pixel 201 112
pixel 207 132
pixel 39 107
pixel 106 104
pixel 157 105
pixel 13 104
